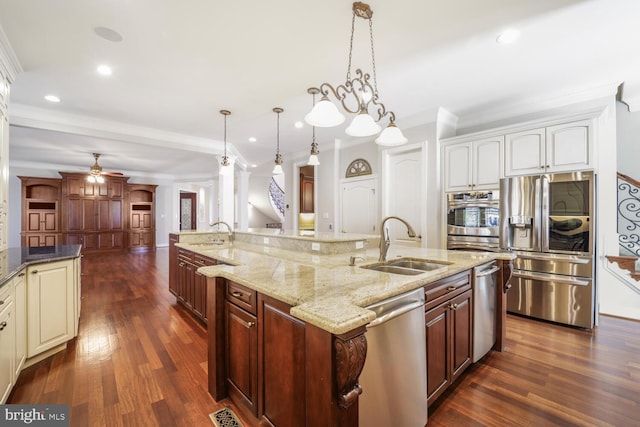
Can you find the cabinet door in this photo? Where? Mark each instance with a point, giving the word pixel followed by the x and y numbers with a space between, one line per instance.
pixel 487 163
pixel 242 356
pixel 116 188
pixel 7 349
pixel 569 147
pixel 20 319
pixel 173 264
pixel 283 364
pixel 438 351
pixel 200 295
pixel 457 167
pixel 525 152
pixel 50 301
pixel 461 337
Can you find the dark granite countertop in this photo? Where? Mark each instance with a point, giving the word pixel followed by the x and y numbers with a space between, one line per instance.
pixel 15 259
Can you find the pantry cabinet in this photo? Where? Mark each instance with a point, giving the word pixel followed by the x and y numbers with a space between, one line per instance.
pixel 7 342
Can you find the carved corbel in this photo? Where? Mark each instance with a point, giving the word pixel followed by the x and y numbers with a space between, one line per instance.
pixel 350 356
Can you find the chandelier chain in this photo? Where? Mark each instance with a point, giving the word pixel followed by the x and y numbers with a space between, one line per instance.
pixel 373 60
pixel 353 23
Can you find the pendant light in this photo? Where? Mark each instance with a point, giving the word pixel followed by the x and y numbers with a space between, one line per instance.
pixel 225 167
pixel 313 157
pixel 356 95
pixel 277 169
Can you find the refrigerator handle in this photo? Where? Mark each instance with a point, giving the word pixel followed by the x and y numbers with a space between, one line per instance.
pixel 544 214
pixel 537 214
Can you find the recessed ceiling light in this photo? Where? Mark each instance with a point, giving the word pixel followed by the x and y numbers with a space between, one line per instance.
pixel 298 125
pixel 508 36
pixel 104 70
pixel 252 139
pixel 254 166
pixel 108 34
pixel 52 98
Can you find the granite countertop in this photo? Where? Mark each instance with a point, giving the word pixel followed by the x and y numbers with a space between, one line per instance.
pixel 329 237
pixel 16 259
pixel 324 290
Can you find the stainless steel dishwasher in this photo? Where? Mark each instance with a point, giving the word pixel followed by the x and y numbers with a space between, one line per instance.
pixel 394 377
pixel 485 290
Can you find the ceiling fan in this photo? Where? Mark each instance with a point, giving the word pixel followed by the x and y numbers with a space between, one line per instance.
pixel 96 173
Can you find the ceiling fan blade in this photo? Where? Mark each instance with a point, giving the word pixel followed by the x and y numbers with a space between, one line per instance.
pixel 112 173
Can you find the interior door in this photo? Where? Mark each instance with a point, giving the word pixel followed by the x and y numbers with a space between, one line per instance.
pixel 360 206
pixel 187 211
pixel 404 195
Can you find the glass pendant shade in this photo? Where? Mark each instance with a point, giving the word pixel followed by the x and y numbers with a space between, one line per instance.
pixel 277 169
pixel 324 114
pixel 363 125
pixel 313 160
pixel 391 136
pixel 226 170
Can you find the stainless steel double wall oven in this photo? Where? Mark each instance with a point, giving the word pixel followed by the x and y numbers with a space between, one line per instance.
pixel 549 222
pixel 473 221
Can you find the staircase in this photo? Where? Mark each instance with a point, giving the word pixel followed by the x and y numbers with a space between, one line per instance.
pixel 628 230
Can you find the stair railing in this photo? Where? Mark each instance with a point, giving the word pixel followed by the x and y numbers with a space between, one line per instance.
pixel 276 196
pixel 629 214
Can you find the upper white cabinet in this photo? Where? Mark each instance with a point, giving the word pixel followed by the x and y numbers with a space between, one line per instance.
pixel 473 165
pixel 559 148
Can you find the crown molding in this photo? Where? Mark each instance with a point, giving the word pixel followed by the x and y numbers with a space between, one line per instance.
pixel 39 118
pixel 8 57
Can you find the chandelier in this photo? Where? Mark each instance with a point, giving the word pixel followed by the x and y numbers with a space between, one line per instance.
pixel 95 173
pixel 277 169
pixel 357 95
pixel 225 166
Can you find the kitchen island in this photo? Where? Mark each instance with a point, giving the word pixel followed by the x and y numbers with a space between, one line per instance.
pixel 39 306
pixel 287 328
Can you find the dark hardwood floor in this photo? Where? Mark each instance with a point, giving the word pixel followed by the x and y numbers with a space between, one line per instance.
pixel 141 360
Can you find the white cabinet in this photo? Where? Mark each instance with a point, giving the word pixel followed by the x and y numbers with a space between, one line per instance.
pixel 7 342
pixel 474 165
pixel 19 283
pixel 51 305
pixel 559 148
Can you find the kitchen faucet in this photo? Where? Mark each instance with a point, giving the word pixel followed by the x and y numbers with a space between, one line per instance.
pixel 384 236
pixel 225 224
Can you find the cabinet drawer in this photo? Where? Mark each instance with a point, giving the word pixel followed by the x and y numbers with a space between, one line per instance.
pixel 185 255
pixel 242 296
pixel 5 295
pixel 201 260
pixel 442 290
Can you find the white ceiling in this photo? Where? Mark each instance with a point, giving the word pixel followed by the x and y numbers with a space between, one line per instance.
pixel 179 63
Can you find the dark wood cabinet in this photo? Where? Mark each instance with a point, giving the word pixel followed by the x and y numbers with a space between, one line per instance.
pixel 173 263
pixel 109 216
pixel 40 212
pixel 142 231
pixel 189 286
pixel 283 364
pixel 94 214
pixel 241 341
pixel 448 324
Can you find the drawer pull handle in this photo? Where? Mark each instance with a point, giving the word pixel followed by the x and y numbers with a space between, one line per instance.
pixel 250 324
pixel 1 302
pixel 21 274
pixel 3 325
pixel 451 288
pixel 181 264
pixel 453 306
pixel 236 294
pixel 34 272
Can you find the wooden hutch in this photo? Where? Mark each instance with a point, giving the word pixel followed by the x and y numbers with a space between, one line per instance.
pixel 109 216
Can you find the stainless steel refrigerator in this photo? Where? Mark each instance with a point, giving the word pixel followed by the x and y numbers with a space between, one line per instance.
pixel 548 221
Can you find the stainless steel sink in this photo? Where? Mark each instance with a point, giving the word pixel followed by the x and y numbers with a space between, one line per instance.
pixel 417 264
pixel 393 269
pixel 407 266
